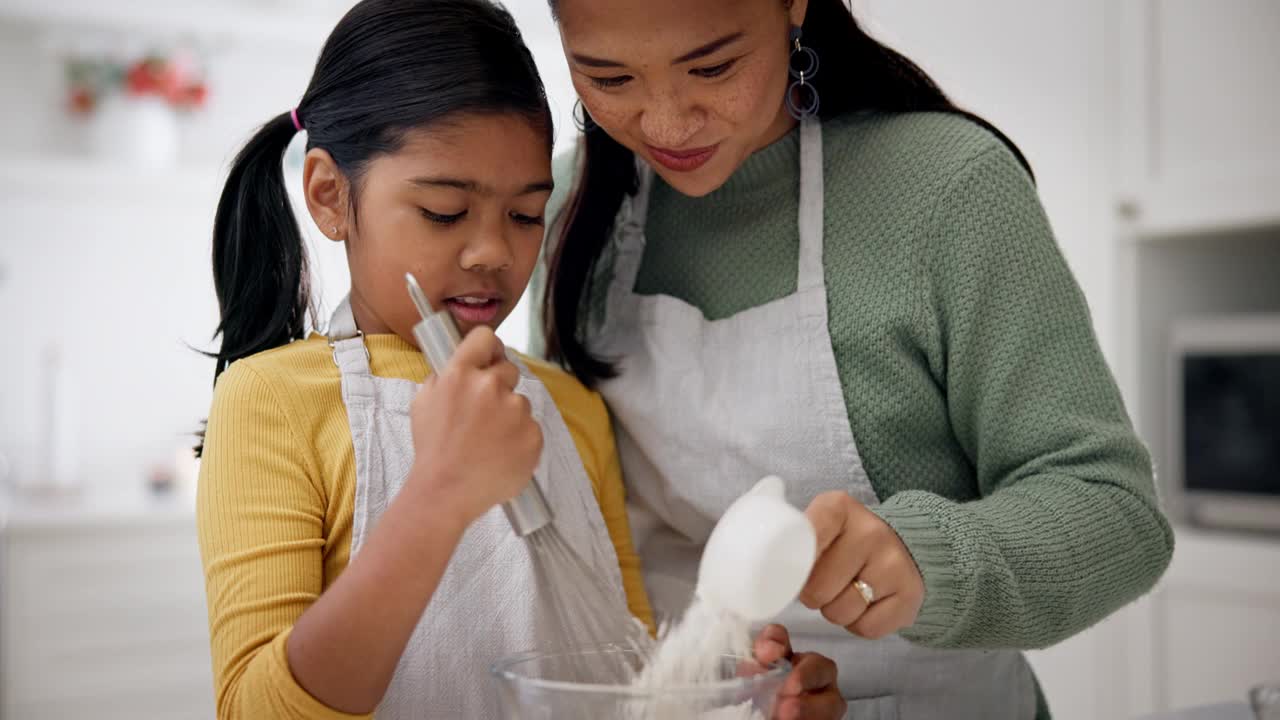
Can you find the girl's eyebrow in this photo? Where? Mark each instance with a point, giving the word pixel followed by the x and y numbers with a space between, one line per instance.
pixel 696 53
pixel 479 188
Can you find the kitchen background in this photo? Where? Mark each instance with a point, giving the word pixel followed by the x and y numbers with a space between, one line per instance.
pixel 1153 127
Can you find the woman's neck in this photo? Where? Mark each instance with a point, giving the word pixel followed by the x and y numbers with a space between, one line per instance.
pixel 782 124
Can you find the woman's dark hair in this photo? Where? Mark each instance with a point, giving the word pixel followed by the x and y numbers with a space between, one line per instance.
pixel 858 73
pixel 389 67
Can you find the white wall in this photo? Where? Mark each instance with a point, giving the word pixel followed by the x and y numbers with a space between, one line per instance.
pixel 112 266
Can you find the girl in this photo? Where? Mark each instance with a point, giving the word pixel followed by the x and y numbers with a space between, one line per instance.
pixel 338 501
pixel 787 252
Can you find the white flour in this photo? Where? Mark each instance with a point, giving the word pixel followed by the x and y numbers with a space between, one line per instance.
pixel 692 652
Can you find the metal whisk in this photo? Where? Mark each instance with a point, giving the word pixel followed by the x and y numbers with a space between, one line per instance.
pixel 438 337
pixel 585 605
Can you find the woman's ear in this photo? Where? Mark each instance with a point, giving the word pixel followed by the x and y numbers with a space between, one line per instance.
pixel 327 193
pixel 796 9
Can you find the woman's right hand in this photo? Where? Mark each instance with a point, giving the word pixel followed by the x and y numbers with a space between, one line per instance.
pixel 475 441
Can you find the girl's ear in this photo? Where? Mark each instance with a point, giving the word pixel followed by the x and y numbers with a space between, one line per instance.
pixel 327 193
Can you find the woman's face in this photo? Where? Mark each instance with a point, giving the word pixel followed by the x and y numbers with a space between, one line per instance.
pixel 691 86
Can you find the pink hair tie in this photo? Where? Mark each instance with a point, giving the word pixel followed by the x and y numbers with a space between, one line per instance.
pixel 297 124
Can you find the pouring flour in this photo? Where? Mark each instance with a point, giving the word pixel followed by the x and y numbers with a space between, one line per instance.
pixel 755 563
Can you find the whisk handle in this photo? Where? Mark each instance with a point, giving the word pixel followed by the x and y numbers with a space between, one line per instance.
pixel 437 337
pixel 528 512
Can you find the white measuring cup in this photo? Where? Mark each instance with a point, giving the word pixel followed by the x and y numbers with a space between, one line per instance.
pixel 759 555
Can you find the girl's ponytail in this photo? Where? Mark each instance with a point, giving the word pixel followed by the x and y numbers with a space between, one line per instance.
pixel 259 256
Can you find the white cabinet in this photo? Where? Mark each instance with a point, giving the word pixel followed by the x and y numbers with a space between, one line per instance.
pixel 102 615
pixel 1212 90
pixel 1196 138
pixel 1197 112
pixel 1216 620
pixel 1195 141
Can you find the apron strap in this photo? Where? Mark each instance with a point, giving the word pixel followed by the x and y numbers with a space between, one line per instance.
pixel 351 357
pixel 349 351
pixel 810 272
pixel 629 227
pixel 628 243
pixel 644 184
pixel 342 324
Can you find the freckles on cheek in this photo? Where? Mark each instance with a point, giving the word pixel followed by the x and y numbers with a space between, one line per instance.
pixel 608 112
pixel 736 103
pixel 604 109
pixel 751 97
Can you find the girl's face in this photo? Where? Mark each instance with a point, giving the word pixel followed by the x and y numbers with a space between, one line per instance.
pixel 460 206
pixel 691 86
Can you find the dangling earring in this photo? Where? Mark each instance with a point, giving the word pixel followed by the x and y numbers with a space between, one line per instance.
pixel 581 119
pixel 802 96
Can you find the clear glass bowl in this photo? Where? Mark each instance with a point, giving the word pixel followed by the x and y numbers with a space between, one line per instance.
pixel 592 684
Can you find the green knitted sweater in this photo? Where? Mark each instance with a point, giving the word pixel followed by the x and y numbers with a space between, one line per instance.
pixel 986 417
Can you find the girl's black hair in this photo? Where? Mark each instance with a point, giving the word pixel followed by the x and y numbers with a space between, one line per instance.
pixel 858 73
pixel 388 67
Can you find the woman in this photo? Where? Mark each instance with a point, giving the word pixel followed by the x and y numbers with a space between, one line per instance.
pixel 912 354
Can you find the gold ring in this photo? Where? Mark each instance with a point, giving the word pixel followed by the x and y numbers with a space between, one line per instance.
pixel 864 589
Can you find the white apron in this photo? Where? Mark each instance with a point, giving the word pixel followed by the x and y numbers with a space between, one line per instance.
pixel 705 408
pixel 488 604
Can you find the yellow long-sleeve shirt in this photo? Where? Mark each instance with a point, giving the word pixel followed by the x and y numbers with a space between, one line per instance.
pixel 276 495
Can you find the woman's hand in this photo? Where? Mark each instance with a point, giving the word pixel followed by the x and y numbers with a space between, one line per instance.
pixel 810 691
pixel 865 579
pixel 475 441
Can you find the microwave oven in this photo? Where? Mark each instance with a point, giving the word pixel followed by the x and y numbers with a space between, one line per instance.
pixel 1224 421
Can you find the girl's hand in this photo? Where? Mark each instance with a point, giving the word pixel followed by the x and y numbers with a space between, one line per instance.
pixel 860 556
pixel 475 441
pixel 810 691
